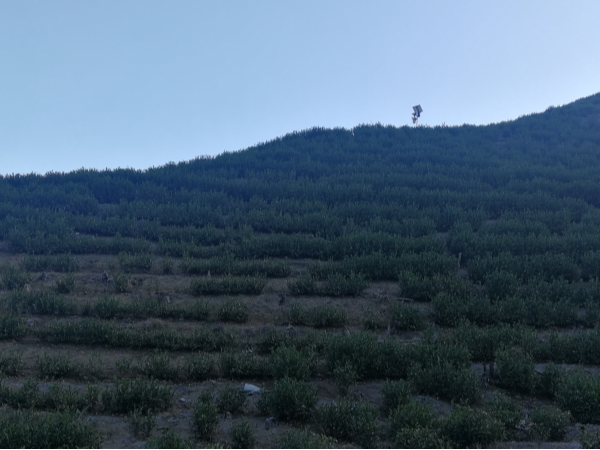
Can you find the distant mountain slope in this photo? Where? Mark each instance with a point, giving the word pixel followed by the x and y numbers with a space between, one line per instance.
pixel 327 182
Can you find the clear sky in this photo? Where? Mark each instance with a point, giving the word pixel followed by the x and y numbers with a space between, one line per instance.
pixel 139 83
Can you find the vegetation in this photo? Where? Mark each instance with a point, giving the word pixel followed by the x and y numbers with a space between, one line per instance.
pixel 468 256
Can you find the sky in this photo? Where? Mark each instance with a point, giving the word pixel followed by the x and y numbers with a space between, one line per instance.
pixel 140 83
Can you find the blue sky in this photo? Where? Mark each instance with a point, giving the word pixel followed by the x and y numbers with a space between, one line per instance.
pixel 139 83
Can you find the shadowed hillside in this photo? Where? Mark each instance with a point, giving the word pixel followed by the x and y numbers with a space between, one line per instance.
pixel 376 287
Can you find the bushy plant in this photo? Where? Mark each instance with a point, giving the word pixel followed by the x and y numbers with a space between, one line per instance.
pixel 55 366
pixel 230 399
pixel 516 370
pixel 228 285
pixel 25 429
pixel 233 311
pixel 125 396
pixel 121 282
pixel 411 414
pixel 141 423
pixel 501 284
pixel 449 310
pixel 550 423
pixel 138 261
pixel 508 412
pixel 459 385
pixel 549 380
pixel 12 278
pixel 65 284
pixel 327 316
pixel 405 318
pixel 290 362
pixel 349 421
pixel 297 315
pixel 290 400
pixel 199 367
pixel 11 363
pixel 205 417
pixel 419 438
pixel 345 377
pixel 168 439
pixel 242 434
pixel 360 350
pixel 159 366
pixel 579 393
pixel 107 307
pixel 467 427
pixel 304 439
pixel 395 395
pixel 242 365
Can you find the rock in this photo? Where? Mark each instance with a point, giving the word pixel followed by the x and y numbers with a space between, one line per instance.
pixel 250 389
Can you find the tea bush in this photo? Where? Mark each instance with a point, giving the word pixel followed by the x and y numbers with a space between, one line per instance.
pixel 55 366
pixel 168 439
pixel 65 284
pixel 159 366
pixel 290 400
pixel 228 285
pixel 12 278
pixel 359 350
pixel 292 363
pixel 40 302
pixel 121 282
pixel 137 261
pixel 11 364
pixel 242 365
pixel 412 414
pixel 447 382
pixel 405 318
pixel 233 311
pixel 549 380
pixel 299 439
pixel 126 396
pixel 54 263
pixel 349 421
pixel 395 395
pixel 205 417
pixel 25 429
pixel 508 412
pixel 516 371
pixel 550 423
pixel 141 423
pixel 579 393
pixel 12 327
pixel 327 316
pixel 242 434
pixel 419 438
pixel 467 427
pixel 230 399
pixel 345 377
pixel 199 367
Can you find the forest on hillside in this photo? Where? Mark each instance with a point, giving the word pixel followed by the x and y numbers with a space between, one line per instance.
pixel 489 237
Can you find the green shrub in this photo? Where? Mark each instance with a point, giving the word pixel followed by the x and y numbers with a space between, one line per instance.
pixel 141 423
pixel 107 307
pixel 508 412
pixel 338 285
pixel 419 438
pixel 405 318
pixel 121 282
pixel 589 439
pixel 39 302
pixel 289 362
pixel 167 265
pixel 516 371
pixel 242 434
pixel 297 315
pixel 65 284
pixel 168 439
pixel 199 310
pixel 24 429
pixel 205 417
pixel 449 310
pixel 411 415
pixel 55 366
pixel 199 367
pixel 11 364
pixel 304 439
pixel 12 278
pixel 549 380
pixel 373 322
pixel 126 396
pixel 395 394
pixel 242 365
pixel 501 284
pixel 349 421
pixel 359 350
pixel 271 339
pixel 467 427
pixel 550 423
pixel 139 261
pixel 230 399
pixel 445 381
pixel 233 311
pixel 228 285
pixel 55 263
pixel 290 400
pixel 579 393
pixel 159 366
pixel 345 377
pixel 304 285
pixel 327 316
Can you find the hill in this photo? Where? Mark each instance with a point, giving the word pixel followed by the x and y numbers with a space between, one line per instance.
pixel 381 286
